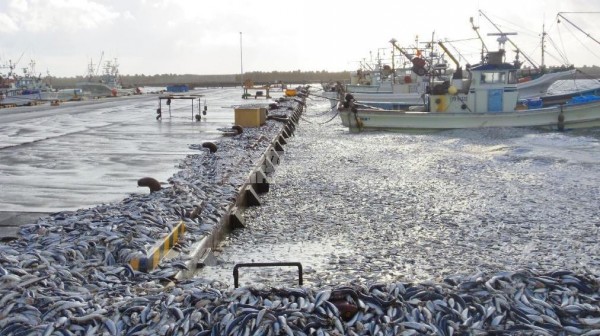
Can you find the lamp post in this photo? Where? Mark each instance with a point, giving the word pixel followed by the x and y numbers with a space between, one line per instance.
pixel 241 62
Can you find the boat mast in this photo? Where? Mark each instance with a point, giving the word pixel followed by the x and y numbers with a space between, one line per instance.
pixel 543 66
pixel 90 71
pixel 393 67
pixel 99 63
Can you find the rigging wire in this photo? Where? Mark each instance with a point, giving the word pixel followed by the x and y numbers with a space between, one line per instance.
pixel 563 57
pixel 574 25
pixel 562 42
pixel 584 45
pixel 559 16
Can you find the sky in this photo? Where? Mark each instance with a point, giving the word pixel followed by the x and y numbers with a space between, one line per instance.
pixel 230 36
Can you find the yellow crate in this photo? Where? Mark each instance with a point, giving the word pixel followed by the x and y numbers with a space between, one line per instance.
pixel 250 117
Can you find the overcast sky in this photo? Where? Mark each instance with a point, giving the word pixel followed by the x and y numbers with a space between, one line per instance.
pixel 203 37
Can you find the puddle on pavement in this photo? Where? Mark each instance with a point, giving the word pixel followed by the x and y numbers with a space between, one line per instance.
pixel 312 256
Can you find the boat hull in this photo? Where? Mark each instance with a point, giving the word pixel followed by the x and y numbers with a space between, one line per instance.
pixel 387 101
pixel 28 99
pixel 573 116
pixel 103 90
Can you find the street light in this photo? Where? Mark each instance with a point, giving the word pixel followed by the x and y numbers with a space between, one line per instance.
pixel 241 62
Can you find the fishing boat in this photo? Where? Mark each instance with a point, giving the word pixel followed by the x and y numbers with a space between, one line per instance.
pixel 108 84
pixel 27 89
pixel 408 85
pixel 6 81
pixel 489 98
pixel 389 87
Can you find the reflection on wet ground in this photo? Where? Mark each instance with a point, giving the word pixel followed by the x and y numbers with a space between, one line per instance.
pixel 81 154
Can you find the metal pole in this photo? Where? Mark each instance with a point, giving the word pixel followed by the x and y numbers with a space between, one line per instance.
pixel 241 62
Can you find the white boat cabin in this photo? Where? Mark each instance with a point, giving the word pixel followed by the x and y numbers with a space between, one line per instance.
pixel 492 88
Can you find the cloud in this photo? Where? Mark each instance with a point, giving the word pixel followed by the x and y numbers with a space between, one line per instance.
pixel 7 25
pixel 57 15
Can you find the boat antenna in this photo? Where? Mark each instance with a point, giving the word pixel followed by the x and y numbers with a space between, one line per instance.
pixel 509 40
pixel 560 14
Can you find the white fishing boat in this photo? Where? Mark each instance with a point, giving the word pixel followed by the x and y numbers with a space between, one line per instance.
pixel 108 84
pixel 491 99
pixel 389 87
pixel 528 89
pixel 398 94
pixel 409 88
pixel 27 89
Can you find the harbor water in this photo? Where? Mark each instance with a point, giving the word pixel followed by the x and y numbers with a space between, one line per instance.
pixel 81 154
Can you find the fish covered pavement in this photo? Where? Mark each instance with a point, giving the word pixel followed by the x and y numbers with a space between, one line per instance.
pixel 69 273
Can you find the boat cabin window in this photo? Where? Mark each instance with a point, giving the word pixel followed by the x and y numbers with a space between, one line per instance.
pixel 498 77
pixel 493 77
pixel 512 77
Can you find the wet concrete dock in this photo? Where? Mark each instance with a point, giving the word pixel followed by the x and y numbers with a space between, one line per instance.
pixel 10 221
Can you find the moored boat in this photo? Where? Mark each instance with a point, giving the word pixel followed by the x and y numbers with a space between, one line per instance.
pixel 107 85
pixel 490 100
pixel 390 87
pixel 408 88
pixel 28 89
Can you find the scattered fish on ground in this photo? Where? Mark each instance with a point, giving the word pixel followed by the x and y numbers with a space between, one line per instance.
pixel 69 273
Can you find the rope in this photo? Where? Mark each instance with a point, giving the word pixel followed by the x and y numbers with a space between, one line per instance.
pixel 358 121
pixel 336 114
pixel 320 114
pixel 316 95
pixel 308 121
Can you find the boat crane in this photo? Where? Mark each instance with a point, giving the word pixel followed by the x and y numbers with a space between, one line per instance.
pixel 484 48
pixel 560 14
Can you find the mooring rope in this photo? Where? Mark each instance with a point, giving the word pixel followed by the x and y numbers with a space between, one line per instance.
pixel 336 114
pixel 316 95
pixel 320 114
